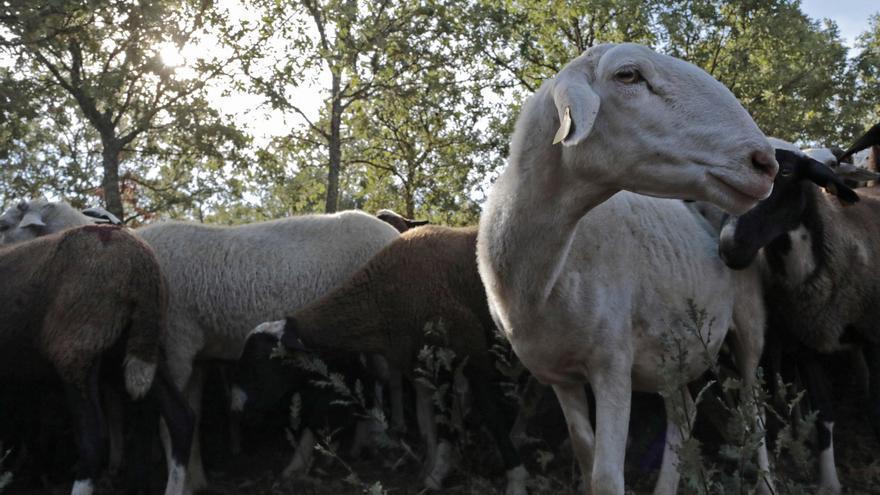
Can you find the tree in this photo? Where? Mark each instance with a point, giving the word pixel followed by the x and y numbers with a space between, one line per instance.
pixel 365 49
pixel 790 72
pixel 104 58
pixel 866 66
pixel 42 145
pixel 423 152
pixel 527 41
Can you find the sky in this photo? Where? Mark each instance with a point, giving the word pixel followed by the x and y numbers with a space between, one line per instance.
pixel 851 16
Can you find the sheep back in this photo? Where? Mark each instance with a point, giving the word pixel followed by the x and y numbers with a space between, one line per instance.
pixel 223 281
pixel 842 288
pixel 72 296
pixel 428 276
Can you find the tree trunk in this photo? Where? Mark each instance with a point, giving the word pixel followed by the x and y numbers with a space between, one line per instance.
pixel 110 183
pixel 410 201
pixel 335 146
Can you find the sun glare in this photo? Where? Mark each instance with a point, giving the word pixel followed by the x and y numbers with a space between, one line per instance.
pixel 171 56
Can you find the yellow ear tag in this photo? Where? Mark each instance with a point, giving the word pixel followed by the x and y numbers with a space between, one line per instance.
pixel 564 127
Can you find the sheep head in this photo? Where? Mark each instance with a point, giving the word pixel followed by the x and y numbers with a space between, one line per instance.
pixel 629 118
pixel 38 217
pixel 398 221
pixel 782 212
pixel 258 380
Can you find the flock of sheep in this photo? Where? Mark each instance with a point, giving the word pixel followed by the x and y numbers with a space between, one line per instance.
pixel 585 259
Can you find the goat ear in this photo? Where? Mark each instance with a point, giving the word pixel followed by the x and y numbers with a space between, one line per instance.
pixel 577 106
pixel 32 219
pixel 867 140
pixel 849 171
pixel 823 176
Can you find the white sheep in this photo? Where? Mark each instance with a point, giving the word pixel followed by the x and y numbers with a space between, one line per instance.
pixel 30 219
pixel 588 282
pixel 224 281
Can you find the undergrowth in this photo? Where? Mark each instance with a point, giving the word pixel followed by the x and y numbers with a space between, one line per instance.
pixel 727 467
pixel 734 469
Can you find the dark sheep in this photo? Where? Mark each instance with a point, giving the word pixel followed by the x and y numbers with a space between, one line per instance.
pixel 385 308
pixel 88 299
pixel 817 255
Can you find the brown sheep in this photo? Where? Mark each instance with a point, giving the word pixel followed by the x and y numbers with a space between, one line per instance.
pixel 79 304
pixel 385 307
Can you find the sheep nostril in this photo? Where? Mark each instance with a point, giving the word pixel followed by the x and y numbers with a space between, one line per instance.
pixel 765 163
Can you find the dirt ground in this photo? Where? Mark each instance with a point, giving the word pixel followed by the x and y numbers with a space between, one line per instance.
pixel 548 457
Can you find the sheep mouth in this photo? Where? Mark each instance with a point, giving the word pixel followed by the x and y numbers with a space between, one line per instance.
pixel 745 195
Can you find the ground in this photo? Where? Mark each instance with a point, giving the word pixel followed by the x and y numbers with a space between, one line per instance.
pixel 257 470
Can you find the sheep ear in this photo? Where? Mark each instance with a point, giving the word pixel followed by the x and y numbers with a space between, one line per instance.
pixel 101 215
pixel 823 176
pixel 416 223
pixel 577 105
pixel 32 219
pixel 851 172
pixel 867 140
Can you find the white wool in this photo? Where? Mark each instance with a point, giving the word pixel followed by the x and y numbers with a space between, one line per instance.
pixel 588 282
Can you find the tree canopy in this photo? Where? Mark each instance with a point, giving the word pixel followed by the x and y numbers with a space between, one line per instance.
pixel 233 112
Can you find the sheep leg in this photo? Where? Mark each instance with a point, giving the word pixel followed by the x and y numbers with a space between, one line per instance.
pixel 113 404
pixel 443 457
pixel 386 374
pixel 427 426
pixel 85 404
pixel 234 418
pixel 531 399
pixel 363 430
pixel 680 413
pixel 872 358
pixel 485 396
pixel 195 473
pixel 302 455
pixel 576 409
pixel 395 389
pixel 180 423
pixel 612 388
pixel 820 395
pixel 367 429
pixel 748 345
pixel 195 470
pixel 142 419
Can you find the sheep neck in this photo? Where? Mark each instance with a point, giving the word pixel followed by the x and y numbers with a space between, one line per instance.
pixel 529 236
pixel 349 319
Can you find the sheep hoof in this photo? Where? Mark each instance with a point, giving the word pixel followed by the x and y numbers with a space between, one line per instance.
pixel 516 481
pixel 584 486
pixel 442 466
pixel 83 487
pixel 765 487
pixel 196 481
pixel 294 470
pixel 432 484
pixel 830 489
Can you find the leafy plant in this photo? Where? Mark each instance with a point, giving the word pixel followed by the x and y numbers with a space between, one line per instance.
pixel 733 470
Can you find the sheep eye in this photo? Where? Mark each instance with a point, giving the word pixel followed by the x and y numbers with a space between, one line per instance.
pixel 785 172
pixel 628 75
